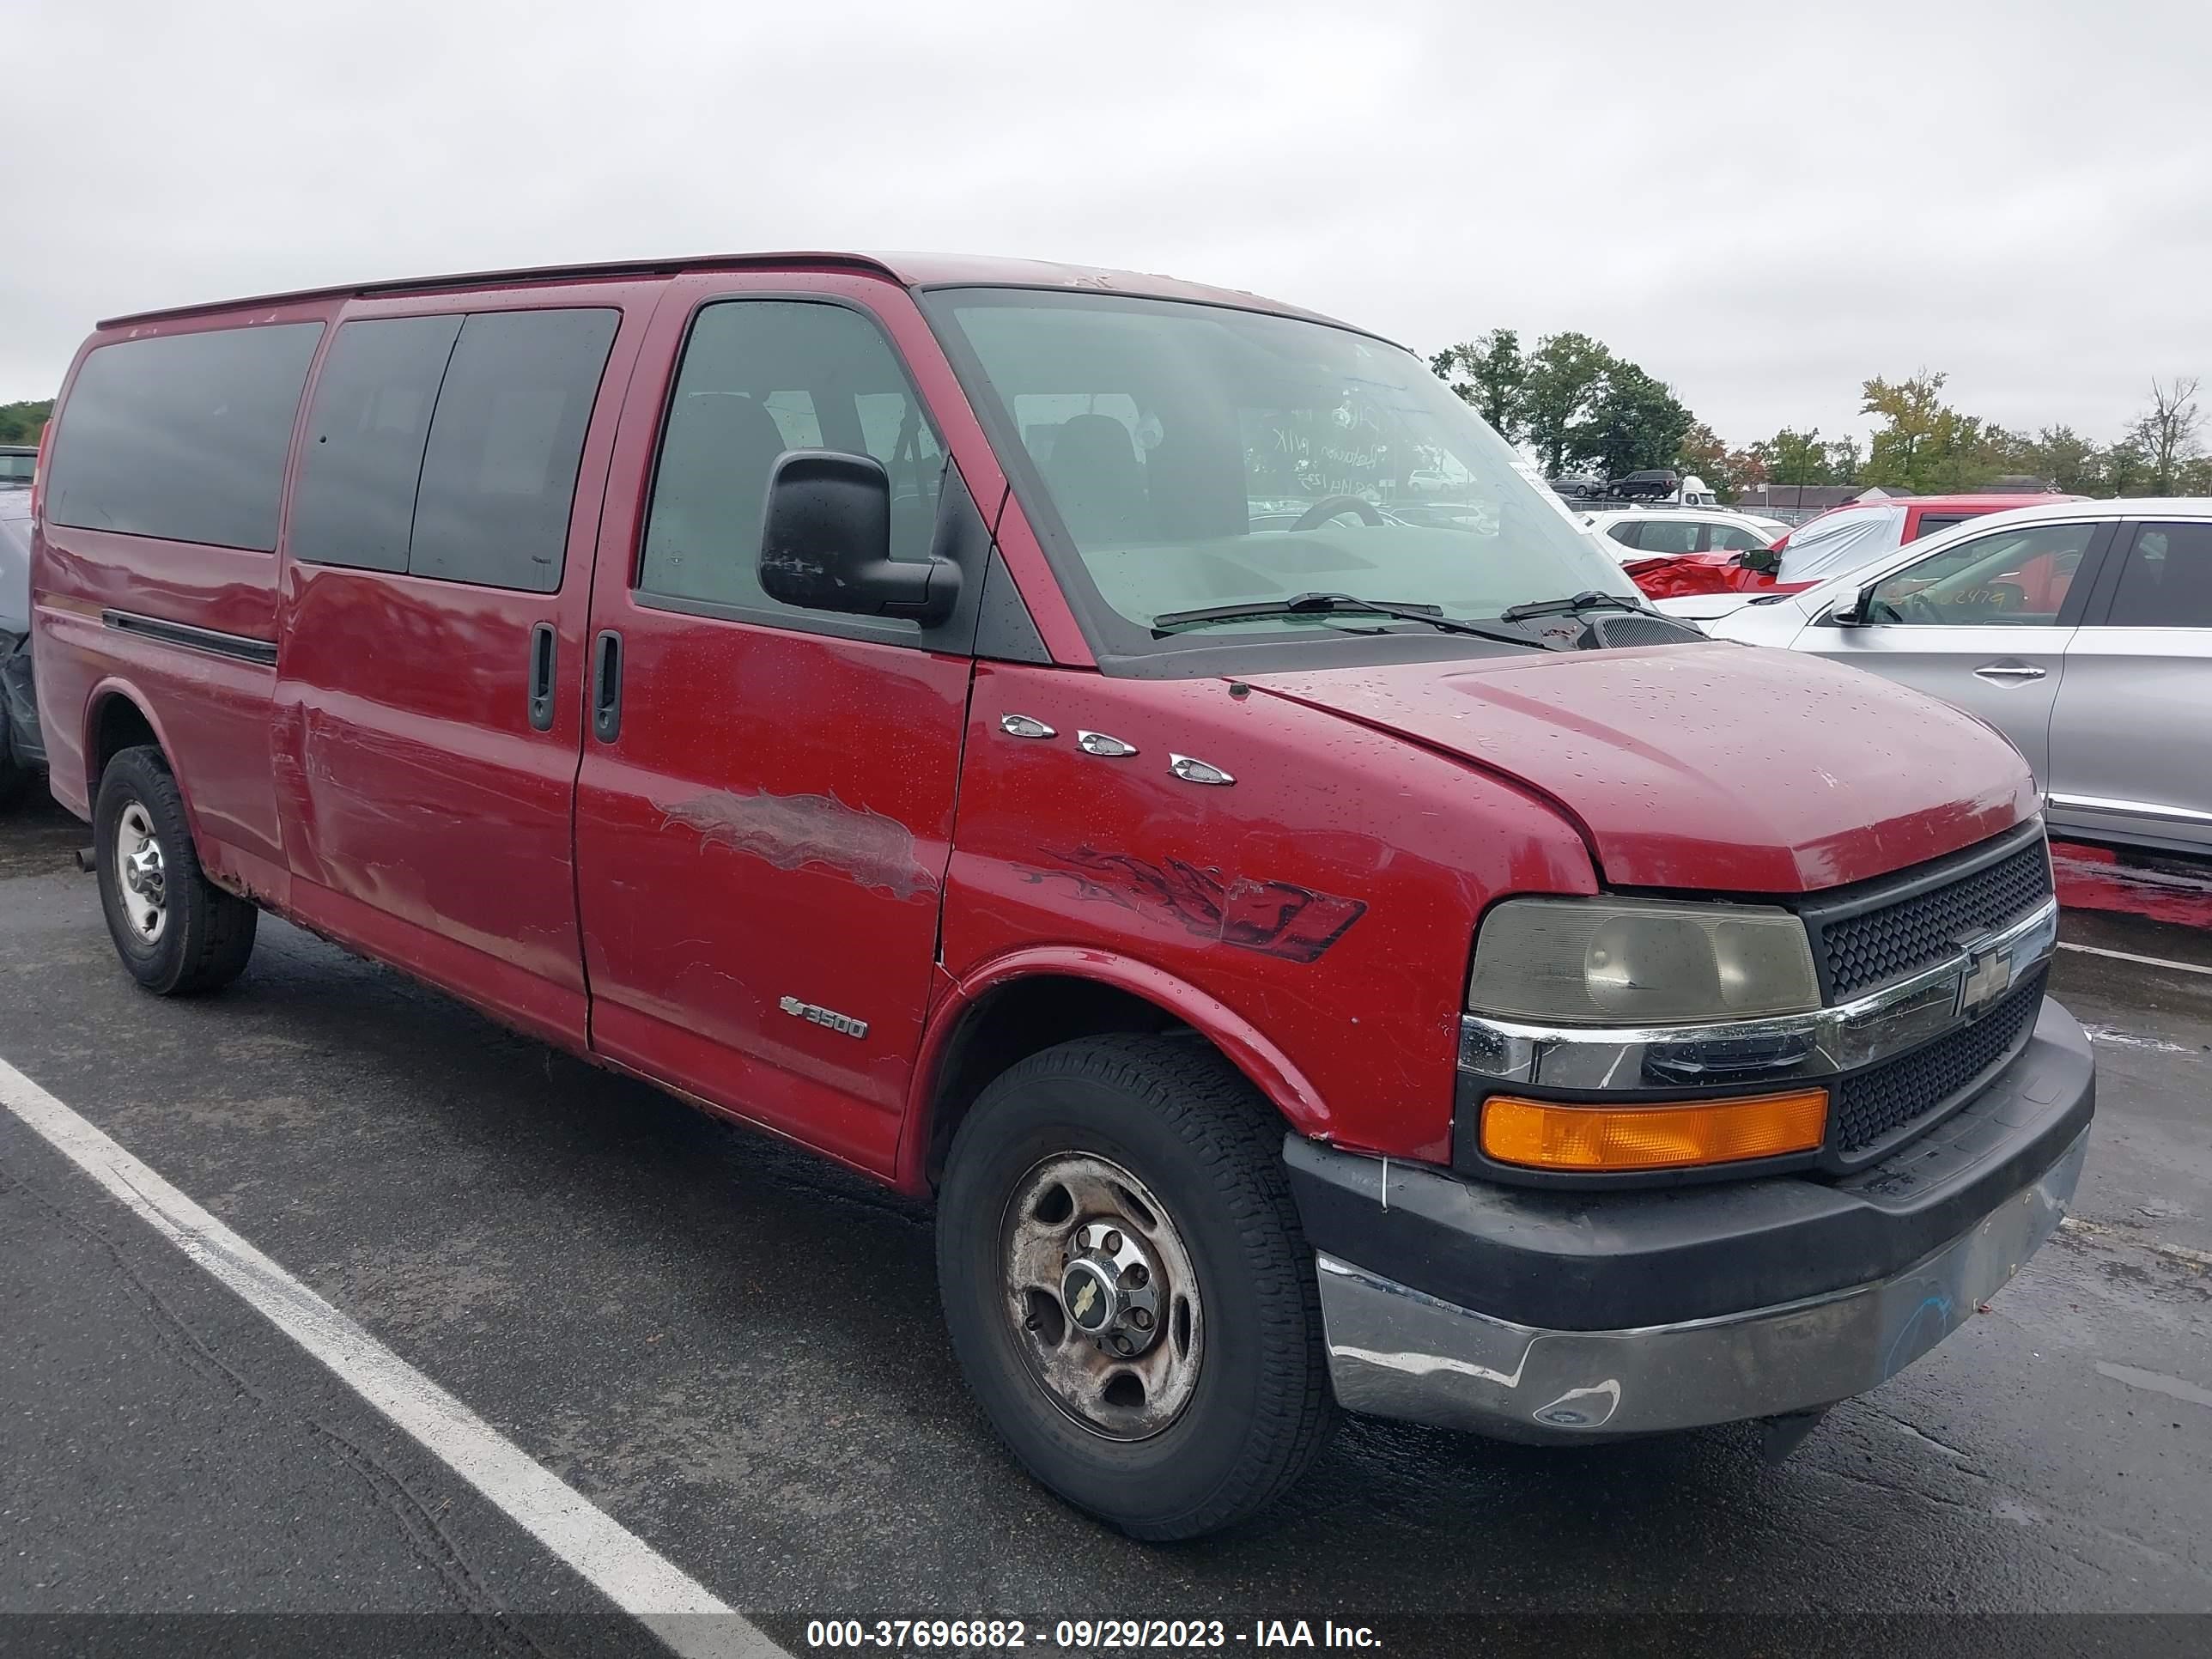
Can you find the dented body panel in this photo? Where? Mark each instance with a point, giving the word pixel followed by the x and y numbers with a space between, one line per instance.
pixel 1707 768
pixel 1328 898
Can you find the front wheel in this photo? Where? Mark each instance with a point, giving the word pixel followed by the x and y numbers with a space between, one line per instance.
pixel 176 930
pixel 1127 1285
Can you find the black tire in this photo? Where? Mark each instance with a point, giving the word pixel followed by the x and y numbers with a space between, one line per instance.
pixel 1207 1147
pixel 15 781
pixel 205 934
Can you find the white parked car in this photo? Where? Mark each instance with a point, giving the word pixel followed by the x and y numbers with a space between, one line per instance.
pixel 1656 530
pixel 2082 630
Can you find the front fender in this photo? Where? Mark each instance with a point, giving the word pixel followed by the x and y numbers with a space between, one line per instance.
pixel 1269 1069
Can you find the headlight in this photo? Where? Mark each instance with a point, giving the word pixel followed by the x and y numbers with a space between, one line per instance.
pixel 1640 962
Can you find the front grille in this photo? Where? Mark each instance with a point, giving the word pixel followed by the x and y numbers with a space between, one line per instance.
pixel 1889 942
pixel 1873 1104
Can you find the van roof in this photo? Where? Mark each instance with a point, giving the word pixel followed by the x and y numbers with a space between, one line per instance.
pixel 913 270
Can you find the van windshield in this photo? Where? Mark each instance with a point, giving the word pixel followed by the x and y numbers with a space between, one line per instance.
pixel 1179 457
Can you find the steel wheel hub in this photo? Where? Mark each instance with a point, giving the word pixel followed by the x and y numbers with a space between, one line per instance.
pixel 141 874
pixel 1101 1296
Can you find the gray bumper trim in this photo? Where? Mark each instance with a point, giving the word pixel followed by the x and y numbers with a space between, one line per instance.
pixel 1397 1352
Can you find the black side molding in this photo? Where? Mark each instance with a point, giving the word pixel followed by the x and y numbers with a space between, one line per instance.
pixel 242 647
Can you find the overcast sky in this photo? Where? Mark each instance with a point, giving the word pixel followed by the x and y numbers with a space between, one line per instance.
pixel 1762 203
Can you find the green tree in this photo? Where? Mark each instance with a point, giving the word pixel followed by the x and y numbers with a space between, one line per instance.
pixel 1636 423
pixel 2065 460
pixel 1924 445
pixel 2125 468
pixel 20 423
pixel 1495 373
pixel 1566 377
pixel 1795 457
pixel 1913 416
pixel 1844 461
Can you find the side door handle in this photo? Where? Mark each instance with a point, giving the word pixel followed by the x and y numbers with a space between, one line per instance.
pixel 2008 672
pixel 543 646
pixel 606 685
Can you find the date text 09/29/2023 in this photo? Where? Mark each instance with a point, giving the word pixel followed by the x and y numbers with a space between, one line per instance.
pixel 900 1635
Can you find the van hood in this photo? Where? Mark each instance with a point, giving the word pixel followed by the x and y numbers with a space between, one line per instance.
pixel 1718 766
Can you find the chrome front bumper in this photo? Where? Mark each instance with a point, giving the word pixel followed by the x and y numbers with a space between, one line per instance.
pixel 1394 1352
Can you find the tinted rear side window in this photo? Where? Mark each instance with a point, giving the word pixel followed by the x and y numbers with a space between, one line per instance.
pixel 1931 522
pixel 355 503
pixel 183 435
pixel 499 473
pixel 2168 580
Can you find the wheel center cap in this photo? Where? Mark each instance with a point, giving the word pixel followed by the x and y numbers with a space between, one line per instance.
pixel 1090 1297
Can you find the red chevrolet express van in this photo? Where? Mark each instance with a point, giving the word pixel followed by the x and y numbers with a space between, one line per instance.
pixel 1020 732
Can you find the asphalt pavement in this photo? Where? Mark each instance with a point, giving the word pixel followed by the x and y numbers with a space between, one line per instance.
pixel 734 1350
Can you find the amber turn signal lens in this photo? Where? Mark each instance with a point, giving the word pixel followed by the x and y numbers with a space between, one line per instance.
pixel 1543 1134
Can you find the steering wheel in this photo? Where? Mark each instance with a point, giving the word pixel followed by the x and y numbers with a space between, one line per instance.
pixel 1330 507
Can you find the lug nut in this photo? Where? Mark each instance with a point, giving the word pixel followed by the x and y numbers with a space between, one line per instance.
pixel 1111 1244
pixel 1141 1318
pixel 1136 1276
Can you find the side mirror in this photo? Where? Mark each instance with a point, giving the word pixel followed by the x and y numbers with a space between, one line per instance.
pixel 826 543
pixel 1852 612
pixel 1764 560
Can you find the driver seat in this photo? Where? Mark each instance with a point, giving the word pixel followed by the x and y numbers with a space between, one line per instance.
pixel 1097 482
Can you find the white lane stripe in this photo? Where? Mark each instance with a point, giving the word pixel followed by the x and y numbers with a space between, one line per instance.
pixel 621 1566
pixel 2129 956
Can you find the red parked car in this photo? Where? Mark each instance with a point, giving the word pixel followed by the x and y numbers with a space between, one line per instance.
pixel 1843 538
pixel 1353 961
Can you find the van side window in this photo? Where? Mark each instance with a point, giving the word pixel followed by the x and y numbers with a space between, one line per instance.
pixel 499 473
pixel 355 501
pixel 447 446
pixel 760 377
pixel 182 435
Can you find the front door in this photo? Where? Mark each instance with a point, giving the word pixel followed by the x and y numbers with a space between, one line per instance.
pixel 2131 737
pixel 764 811
pixel 1982 624
pixel 437 576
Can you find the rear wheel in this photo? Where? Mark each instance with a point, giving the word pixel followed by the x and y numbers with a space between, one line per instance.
pixel 176 930
pixel 1127 1285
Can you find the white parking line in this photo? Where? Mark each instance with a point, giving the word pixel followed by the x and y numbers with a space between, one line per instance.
pixel 623 1568
pixel 2129 956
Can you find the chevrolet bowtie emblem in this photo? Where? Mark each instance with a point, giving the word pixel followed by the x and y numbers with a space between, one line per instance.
pixel 1989 976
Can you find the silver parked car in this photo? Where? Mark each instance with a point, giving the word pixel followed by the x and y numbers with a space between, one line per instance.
pixel 2082 630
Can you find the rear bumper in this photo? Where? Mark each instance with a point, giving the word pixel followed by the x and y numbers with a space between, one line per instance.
pixel 1565 1316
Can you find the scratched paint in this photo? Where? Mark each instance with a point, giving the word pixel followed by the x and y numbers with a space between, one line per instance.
pixel 790 831
pixel 1272 917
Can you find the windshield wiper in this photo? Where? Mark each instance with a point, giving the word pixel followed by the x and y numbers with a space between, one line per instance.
pixel 1322 604
pixel 1589 600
